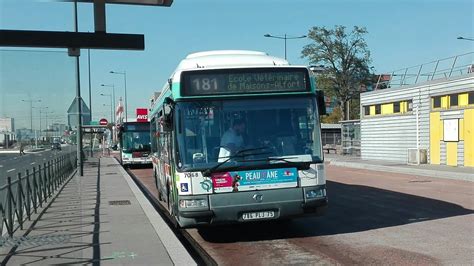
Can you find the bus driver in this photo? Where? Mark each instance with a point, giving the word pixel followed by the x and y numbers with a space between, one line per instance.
pixel 232 140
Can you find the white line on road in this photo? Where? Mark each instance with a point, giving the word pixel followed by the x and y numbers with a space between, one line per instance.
pixel 1 165
pixel 13 169
pixel 32 163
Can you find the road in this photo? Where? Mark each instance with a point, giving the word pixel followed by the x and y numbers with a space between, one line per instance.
pixel 12 163
pixel 373 218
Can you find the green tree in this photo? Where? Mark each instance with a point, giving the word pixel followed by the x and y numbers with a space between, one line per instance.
pixel 334 117
pixel 345 58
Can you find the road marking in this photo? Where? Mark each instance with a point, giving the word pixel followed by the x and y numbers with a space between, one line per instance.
pixel 13 169
pixel 32 163
pixel 1 165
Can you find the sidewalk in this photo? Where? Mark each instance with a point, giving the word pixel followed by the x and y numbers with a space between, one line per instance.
pixel 439 171
pixel 100 218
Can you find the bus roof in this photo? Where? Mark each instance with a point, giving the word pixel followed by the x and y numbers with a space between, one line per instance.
pixel 228 58
pixel 220 59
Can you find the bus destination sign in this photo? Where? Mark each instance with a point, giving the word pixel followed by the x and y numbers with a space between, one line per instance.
pixel 241 81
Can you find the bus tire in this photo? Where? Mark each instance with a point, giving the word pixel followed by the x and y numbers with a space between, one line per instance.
pixel 157 185
pixel 174 218
pixel 168 202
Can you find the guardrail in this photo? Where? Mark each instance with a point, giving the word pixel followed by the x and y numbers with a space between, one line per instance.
pixel 23 196
pixel 438 69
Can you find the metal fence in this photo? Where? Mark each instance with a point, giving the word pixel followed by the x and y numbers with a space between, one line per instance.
pixel 439 69
pixel 28 192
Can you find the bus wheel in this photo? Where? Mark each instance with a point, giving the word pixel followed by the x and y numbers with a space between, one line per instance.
pixel 168 201
pixel 157 185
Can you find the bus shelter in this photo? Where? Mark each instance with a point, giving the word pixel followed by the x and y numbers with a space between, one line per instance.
pixel 350 137
pixel 94 138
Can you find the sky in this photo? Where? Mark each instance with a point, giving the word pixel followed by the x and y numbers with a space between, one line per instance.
pixel 402 33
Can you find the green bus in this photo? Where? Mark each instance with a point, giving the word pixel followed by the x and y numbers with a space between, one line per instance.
pixel 134 139
pixel 236 137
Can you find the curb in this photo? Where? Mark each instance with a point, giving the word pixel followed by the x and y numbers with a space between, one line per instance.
pixel 176 251
pixel 35 150
pixel 409 171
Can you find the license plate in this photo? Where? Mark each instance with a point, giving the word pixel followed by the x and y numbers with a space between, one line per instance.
pixel 258 215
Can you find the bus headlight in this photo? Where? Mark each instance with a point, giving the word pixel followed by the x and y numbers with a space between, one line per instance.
pixel 192 203
pixel 315 193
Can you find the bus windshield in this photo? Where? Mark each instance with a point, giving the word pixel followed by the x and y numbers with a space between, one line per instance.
pixel 212 132
pixel 134 141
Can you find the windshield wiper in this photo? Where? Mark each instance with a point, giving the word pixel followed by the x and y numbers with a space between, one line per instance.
pixel 239 154
pixel 286 159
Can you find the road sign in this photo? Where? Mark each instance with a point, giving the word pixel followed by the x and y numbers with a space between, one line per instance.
pixel 103 122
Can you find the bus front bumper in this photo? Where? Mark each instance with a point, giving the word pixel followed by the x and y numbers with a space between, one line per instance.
pixel 227 208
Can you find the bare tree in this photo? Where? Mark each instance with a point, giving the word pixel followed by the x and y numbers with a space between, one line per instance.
pixel 344 56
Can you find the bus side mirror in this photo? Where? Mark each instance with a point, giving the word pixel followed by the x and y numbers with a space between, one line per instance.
pixel 168 107
pixel 321 103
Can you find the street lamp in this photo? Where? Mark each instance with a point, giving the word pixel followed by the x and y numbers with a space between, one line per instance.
pixel 46 122
pixel 31 111
pixel 284 37
pixel 108 105
pixel 113 96
pixel 40 112
pixel 108 95
pixel 125 89
pixel 467 39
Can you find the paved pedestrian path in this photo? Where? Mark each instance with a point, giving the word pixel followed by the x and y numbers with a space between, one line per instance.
pixel 100 218
pixel 440 171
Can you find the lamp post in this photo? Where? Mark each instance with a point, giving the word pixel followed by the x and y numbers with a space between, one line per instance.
pixel 125 89
pixel 46 122
pixel 31 111
pixel 40 112
pixel 108 105
pixel 108 95
pixel 113 97
pixel 284 37
pixel 466 39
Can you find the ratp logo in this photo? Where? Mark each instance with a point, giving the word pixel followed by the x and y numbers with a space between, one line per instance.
pixel 206 185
